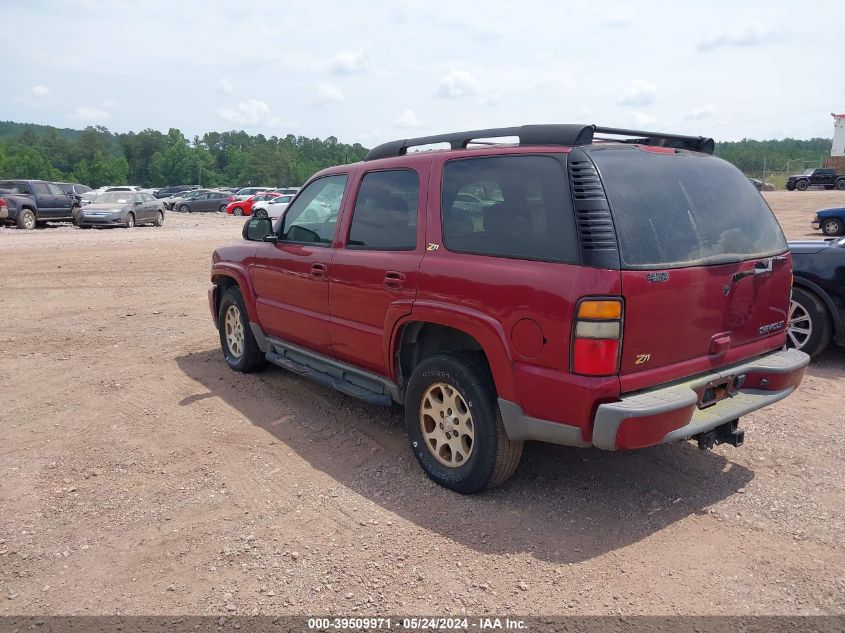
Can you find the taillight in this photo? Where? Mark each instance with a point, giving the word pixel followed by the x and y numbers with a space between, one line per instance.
pixel 231 198
pixel 597 337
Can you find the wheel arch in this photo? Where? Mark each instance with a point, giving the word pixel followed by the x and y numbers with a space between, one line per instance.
pixel 226 277
pixel 418 337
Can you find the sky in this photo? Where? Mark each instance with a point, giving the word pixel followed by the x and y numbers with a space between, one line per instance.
pixel 373 71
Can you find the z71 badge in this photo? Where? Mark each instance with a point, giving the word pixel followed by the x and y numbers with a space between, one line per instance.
pixel 642 359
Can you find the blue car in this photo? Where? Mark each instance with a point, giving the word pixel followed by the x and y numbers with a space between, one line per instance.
pixel 830 221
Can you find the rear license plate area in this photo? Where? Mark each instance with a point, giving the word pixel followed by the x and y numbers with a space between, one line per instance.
pixel 715 391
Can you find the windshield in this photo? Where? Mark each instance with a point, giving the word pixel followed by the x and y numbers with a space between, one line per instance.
pixel 677 210
pixel 114 197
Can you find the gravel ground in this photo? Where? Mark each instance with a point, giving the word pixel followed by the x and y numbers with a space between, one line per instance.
pixel 139 475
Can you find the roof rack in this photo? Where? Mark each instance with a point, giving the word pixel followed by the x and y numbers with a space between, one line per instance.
pixel 570 134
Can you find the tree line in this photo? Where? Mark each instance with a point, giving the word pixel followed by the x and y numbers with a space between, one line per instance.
pixel 96 157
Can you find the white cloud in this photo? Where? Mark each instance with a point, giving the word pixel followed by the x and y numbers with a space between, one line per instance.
pixel 327 93
pixel 753 35
pixel 641 93
pixel 226 86
pixel 456 84
pixel 88 115
pixel 40 91
pixel 409 119
pixel 348 62
pixel 642 119
pixel 700 113
pixel 249 112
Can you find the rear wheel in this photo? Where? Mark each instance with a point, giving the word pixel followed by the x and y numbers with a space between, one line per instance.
pixel 184 208
pixel 240 348
pixel 832 226
pixel 26 220
pixel 455 426
pixel 809 327
pixel 222 208
pixel 840 184
pixel 260 213
pixel 802 185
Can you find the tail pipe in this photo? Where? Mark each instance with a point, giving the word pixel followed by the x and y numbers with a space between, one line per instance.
pixel 727 433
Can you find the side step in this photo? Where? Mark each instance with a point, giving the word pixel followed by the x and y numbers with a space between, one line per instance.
pixel 331 373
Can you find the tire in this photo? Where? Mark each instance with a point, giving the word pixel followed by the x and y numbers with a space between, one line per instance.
pixel 260 213
pixel 130 221
pixel 483 457
pixel 832 227
pixel 222 208
pixel 239 346
pixel 159 219
pixel 790 187
pixel 840 185
pixel 237 211
pixel 809 326
pixel 27 220
pixel 802 185
pixel 76 211
pixel 184 208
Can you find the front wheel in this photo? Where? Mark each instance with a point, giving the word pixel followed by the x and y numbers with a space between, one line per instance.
pixel 455 426
pixel 130 221
pixel 222 208
pixel 802 185
pixel 833 227
pixel 184 208
pixel 808 328
pixel 260 213
pixel 240 348
pixel 238 211
pixel 77 211
pixel 840 184
pixel 159 219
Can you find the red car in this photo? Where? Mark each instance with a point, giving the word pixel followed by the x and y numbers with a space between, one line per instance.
pixel 244 207
pixel 565 289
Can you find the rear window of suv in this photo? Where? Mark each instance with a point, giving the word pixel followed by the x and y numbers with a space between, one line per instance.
pixel 683 209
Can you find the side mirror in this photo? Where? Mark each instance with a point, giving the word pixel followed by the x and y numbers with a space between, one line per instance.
pixel 257 229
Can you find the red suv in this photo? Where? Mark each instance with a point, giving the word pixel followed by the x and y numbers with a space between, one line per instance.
pixel 568 289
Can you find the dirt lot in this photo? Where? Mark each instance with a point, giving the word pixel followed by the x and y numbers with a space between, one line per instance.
pixel 139 475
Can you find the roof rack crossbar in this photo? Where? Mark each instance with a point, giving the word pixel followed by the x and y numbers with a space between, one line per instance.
pixel 569 134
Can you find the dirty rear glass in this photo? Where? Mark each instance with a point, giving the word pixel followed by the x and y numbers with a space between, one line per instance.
pixel 677 210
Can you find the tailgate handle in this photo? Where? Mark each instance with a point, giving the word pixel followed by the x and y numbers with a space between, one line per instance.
pixel 720 343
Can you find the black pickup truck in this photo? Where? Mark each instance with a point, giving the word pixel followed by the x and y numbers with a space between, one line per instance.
pixel 29 202
pixel 822 177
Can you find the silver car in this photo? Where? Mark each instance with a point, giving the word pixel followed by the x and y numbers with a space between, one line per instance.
pixel 122 208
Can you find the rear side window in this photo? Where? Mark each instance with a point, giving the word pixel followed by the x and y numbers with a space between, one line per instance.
pixel 385 215
pixel 677 210
pixel 508 206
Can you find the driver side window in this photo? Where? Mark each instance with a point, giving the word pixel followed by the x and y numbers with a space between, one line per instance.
pixel 312 218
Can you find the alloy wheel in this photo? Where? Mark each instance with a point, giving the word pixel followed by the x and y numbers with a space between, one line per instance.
pixel 446 425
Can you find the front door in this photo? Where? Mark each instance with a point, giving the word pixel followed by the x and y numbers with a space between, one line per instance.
pixel 373 277
pixel 291 277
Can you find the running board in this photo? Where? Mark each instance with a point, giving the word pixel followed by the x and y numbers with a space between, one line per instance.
pixel 344 378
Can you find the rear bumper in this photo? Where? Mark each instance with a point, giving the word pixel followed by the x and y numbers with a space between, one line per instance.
pixel 671 413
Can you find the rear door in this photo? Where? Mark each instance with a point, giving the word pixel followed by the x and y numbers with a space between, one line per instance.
pixel 45 201
pixel 373 277
pixel 705 273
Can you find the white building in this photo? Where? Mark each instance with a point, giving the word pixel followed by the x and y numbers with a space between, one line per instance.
pixel 838 148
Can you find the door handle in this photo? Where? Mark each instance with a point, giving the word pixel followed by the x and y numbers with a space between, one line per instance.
pixel 394 280
pixel 318 271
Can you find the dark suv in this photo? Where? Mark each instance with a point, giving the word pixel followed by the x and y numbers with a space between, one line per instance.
pixel 566 289
pixel 822 177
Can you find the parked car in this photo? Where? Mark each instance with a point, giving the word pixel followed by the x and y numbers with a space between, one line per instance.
pixel 172 190
pixel 273 207
pixel 27 203
pixel 830 221
pixel 203 201
pixel 645 306
pixel 817 310
pixel 246 192
pixel 123 188
pixel 122 208
pixel 171 202
pixel 244 207
pixel 822 177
